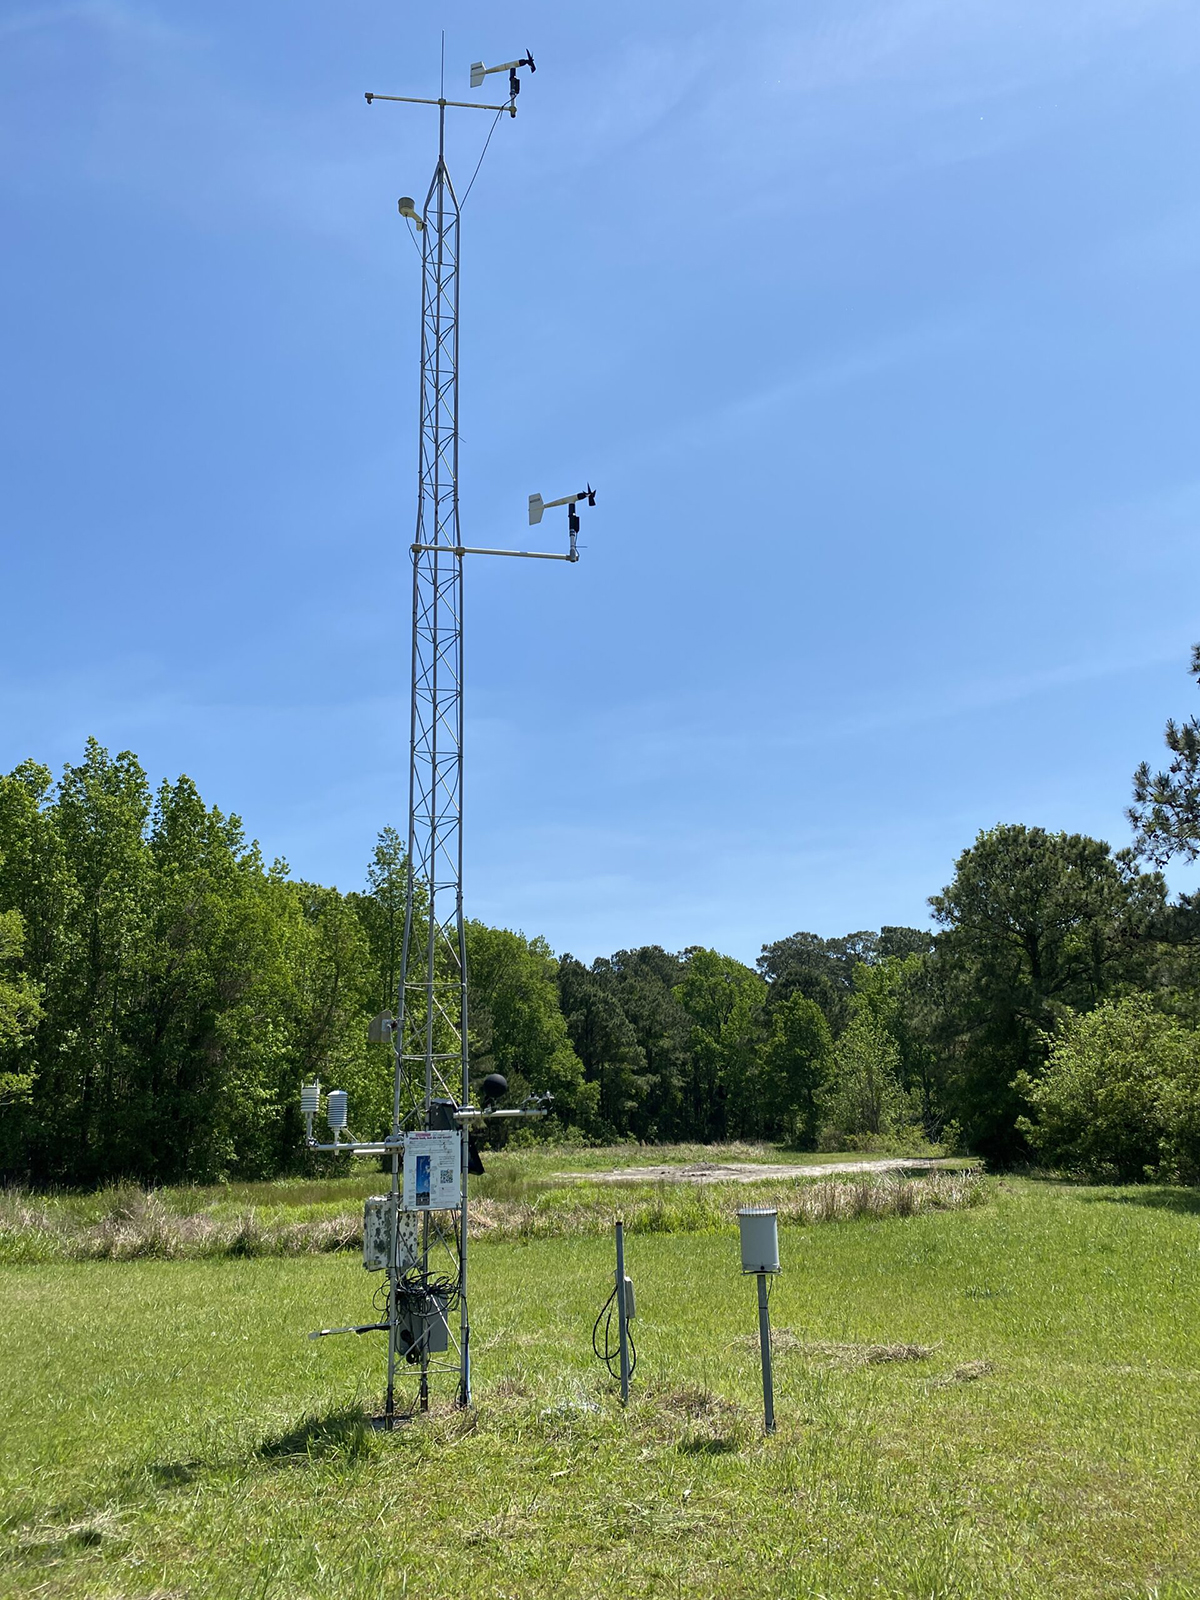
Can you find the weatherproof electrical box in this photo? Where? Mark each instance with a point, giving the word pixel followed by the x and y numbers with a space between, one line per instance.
pixel 759 1229
pixel 381 1029
pixel 376 1219
pixel 423 1321
pixel 377 1222
pixel 630 1298
pixel 432 1171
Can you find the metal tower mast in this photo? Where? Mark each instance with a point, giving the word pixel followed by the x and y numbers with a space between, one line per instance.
pixel 427 1243
pixel 431 1014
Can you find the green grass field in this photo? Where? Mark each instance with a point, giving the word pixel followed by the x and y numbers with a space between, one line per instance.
pixel 169 1431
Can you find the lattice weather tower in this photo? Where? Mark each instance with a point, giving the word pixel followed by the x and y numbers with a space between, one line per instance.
pixel 416 1234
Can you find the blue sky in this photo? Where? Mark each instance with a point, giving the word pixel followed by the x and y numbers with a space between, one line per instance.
pixel 874 324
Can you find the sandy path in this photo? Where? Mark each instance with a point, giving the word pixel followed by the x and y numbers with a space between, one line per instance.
pixel 751 1171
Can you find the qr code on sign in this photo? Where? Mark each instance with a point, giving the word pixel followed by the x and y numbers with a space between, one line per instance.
pixel 447 1175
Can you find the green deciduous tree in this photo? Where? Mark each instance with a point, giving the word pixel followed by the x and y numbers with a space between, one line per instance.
pixel 184 989
pixel 517 1025
pixel 726 1002
pixel 796 1065
pixel 102 808
pixel 381 912
pixel 20 1012
pixel 1034 922
pixel 821 969
pixel 605 1042
pixel 642 982
pixel 1120 1095
pixel 896 991
pixel 863 1098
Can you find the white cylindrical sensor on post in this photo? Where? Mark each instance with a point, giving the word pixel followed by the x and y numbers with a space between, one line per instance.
pixel 760 1239
pixel 336 1109
pixel 310 1099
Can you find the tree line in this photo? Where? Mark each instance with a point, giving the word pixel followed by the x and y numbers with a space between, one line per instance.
pixel 164 991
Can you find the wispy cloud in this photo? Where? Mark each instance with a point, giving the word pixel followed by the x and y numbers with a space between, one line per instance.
pixel 674 741
pixel 109 16
pixel 825 375
pixel 165 117
pixel 962 49
pixel 827 101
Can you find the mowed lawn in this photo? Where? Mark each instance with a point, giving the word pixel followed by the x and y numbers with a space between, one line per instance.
pixel 169 1430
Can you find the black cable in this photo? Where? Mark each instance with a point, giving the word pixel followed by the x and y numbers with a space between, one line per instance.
pixel 417 1287
pixel 482 153
pixel 610 1353
pixel 596 1351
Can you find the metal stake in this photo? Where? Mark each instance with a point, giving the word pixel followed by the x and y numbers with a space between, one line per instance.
pixel 622 1319
pixel 764 1339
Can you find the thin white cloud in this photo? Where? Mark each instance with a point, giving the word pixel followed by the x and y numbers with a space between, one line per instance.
pixel 964 48
pixel 826 375
pixel 657 741
pixel 825 104
pixel 110 16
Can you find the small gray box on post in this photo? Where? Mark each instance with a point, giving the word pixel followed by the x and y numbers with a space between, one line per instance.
pixel 381 1029
pixel 760 1238
pixel 759 1229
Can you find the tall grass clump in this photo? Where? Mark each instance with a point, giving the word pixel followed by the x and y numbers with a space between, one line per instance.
pixel 130 1224
pixel 692 1208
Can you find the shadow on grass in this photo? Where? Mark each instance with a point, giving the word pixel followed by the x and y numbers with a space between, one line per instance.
pixel 707 1444
pixel 343 1434
pixel 1159 1197
pixel 81 1521
pixel 169 1474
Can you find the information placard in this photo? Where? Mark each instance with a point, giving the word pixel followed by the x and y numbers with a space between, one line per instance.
pixel 432 1163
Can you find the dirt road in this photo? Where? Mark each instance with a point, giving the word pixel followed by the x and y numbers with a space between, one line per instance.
pixel 753 1171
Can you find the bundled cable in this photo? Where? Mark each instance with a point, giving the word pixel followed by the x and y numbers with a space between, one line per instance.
pixel 612 1353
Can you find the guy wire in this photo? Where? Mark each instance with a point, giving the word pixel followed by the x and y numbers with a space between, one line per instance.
pixel 482 153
